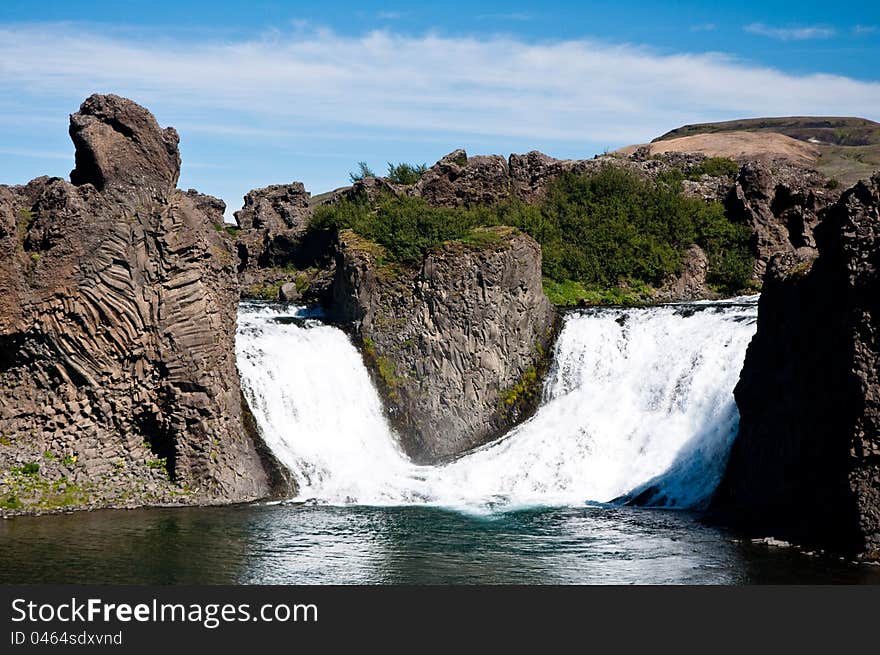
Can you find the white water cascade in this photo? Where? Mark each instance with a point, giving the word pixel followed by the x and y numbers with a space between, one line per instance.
pixel 638 404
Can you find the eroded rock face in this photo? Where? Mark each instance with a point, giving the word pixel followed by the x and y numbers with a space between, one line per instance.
pixel 782 203
pixel 806 463
pixel 458 348
pixel 458 180
pixel 118 300
pixel 119 144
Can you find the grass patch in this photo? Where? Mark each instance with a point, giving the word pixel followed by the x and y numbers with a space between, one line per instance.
pixel 482 238
pixel 270 291
pixel 31 468
pixel 715 167
pixel 160 463
pixel 227 228
pixel 387 370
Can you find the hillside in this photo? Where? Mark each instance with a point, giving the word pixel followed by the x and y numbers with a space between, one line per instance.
pixel 845 149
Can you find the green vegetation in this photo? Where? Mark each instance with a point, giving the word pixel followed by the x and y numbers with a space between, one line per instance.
pixel 31 491
pixel 227 228
pixel 714 166
pixel 69 460
pixel 362 172
pixel 31 468
pixel 605 237
pixel 268 291
pixel 388 372
pixel 160 463
pixel 5 441
pixel 403 173
pixel 518 392
pixel 23 224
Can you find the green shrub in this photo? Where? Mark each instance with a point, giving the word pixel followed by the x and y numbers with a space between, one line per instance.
pixel 404 173
pixel 31 468
pixel 611 230
pixel 716 167
pixel 362 172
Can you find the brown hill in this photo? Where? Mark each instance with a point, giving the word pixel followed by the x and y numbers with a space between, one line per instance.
pixel 846 149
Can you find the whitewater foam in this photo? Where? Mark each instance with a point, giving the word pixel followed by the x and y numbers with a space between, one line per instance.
pixel 638 404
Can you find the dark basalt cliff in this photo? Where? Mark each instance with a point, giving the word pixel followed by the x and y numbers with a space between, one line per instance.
pixel 806 463
pixel 118 298
pixel 458 347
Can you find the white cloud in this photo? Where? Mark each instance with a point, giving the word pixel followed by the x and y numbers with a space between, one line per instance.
pixel 864 29
pixel 791 33
pixel 704 27
pixel 431 85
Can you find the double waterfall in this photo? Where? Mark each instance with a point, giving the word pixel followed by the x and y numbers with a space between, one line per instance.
pixel 638 406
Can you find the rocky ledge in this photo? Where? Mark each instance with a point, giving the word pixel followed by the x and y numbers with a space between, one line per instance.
pixel 806 464
pixel 118 300
pixel 458 346
pixel 779 201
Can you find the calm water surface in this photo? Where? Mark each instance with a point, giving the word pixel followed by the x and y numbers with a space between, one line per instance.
pixel 292 544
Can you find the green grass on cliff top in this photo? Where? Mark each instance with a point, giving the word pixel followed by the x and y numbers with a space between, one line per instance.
pixel 606 236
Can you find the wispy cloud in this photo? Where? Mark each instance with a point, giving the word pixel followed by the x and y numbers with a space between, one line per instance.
pixel 568 90
pixel 582 90
pixel 704 27
pixel 791 33
pixel 390 15
pixel 865 29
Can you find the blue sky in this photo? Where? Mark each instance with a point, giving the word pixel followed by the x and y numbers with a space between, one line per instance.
pixel 270 92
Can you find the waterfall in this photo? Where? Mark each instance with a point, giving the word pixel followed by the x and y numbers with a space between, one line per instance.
pixel 638 407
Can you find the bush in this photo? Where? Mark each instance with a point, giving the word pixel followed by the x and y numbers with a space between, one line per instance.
pixel 611 229
pixel 362 172
pixel 403 173
pixel 716 167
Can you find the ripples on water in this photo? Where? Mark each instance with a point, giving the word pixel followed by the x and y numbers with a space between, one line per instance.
pixel 289 544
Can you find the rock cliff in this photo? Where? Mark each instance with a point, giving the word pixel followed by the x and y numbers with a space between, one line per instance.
pixel 806 463
pixel 118 298
pixel 782 204
pixel 459 346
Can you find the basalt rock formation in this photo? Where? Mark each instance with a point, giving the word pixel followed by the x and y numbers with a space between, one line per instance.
pixel 806 464
pixel 459 346
pixel 118 298
pixel 782 204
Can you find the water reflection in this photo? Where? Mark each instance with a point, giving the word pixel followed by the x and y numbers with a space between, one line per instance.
pixel 287 544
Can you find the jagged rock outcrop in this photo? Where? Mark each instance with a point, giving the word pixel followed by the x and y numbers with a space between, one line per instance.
pixel 120 145
pixel 277 258
pixel 806 464
pixel 458 180
pixel 118 298
pixel 458 347
pixel 782 203
pixel 691 282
